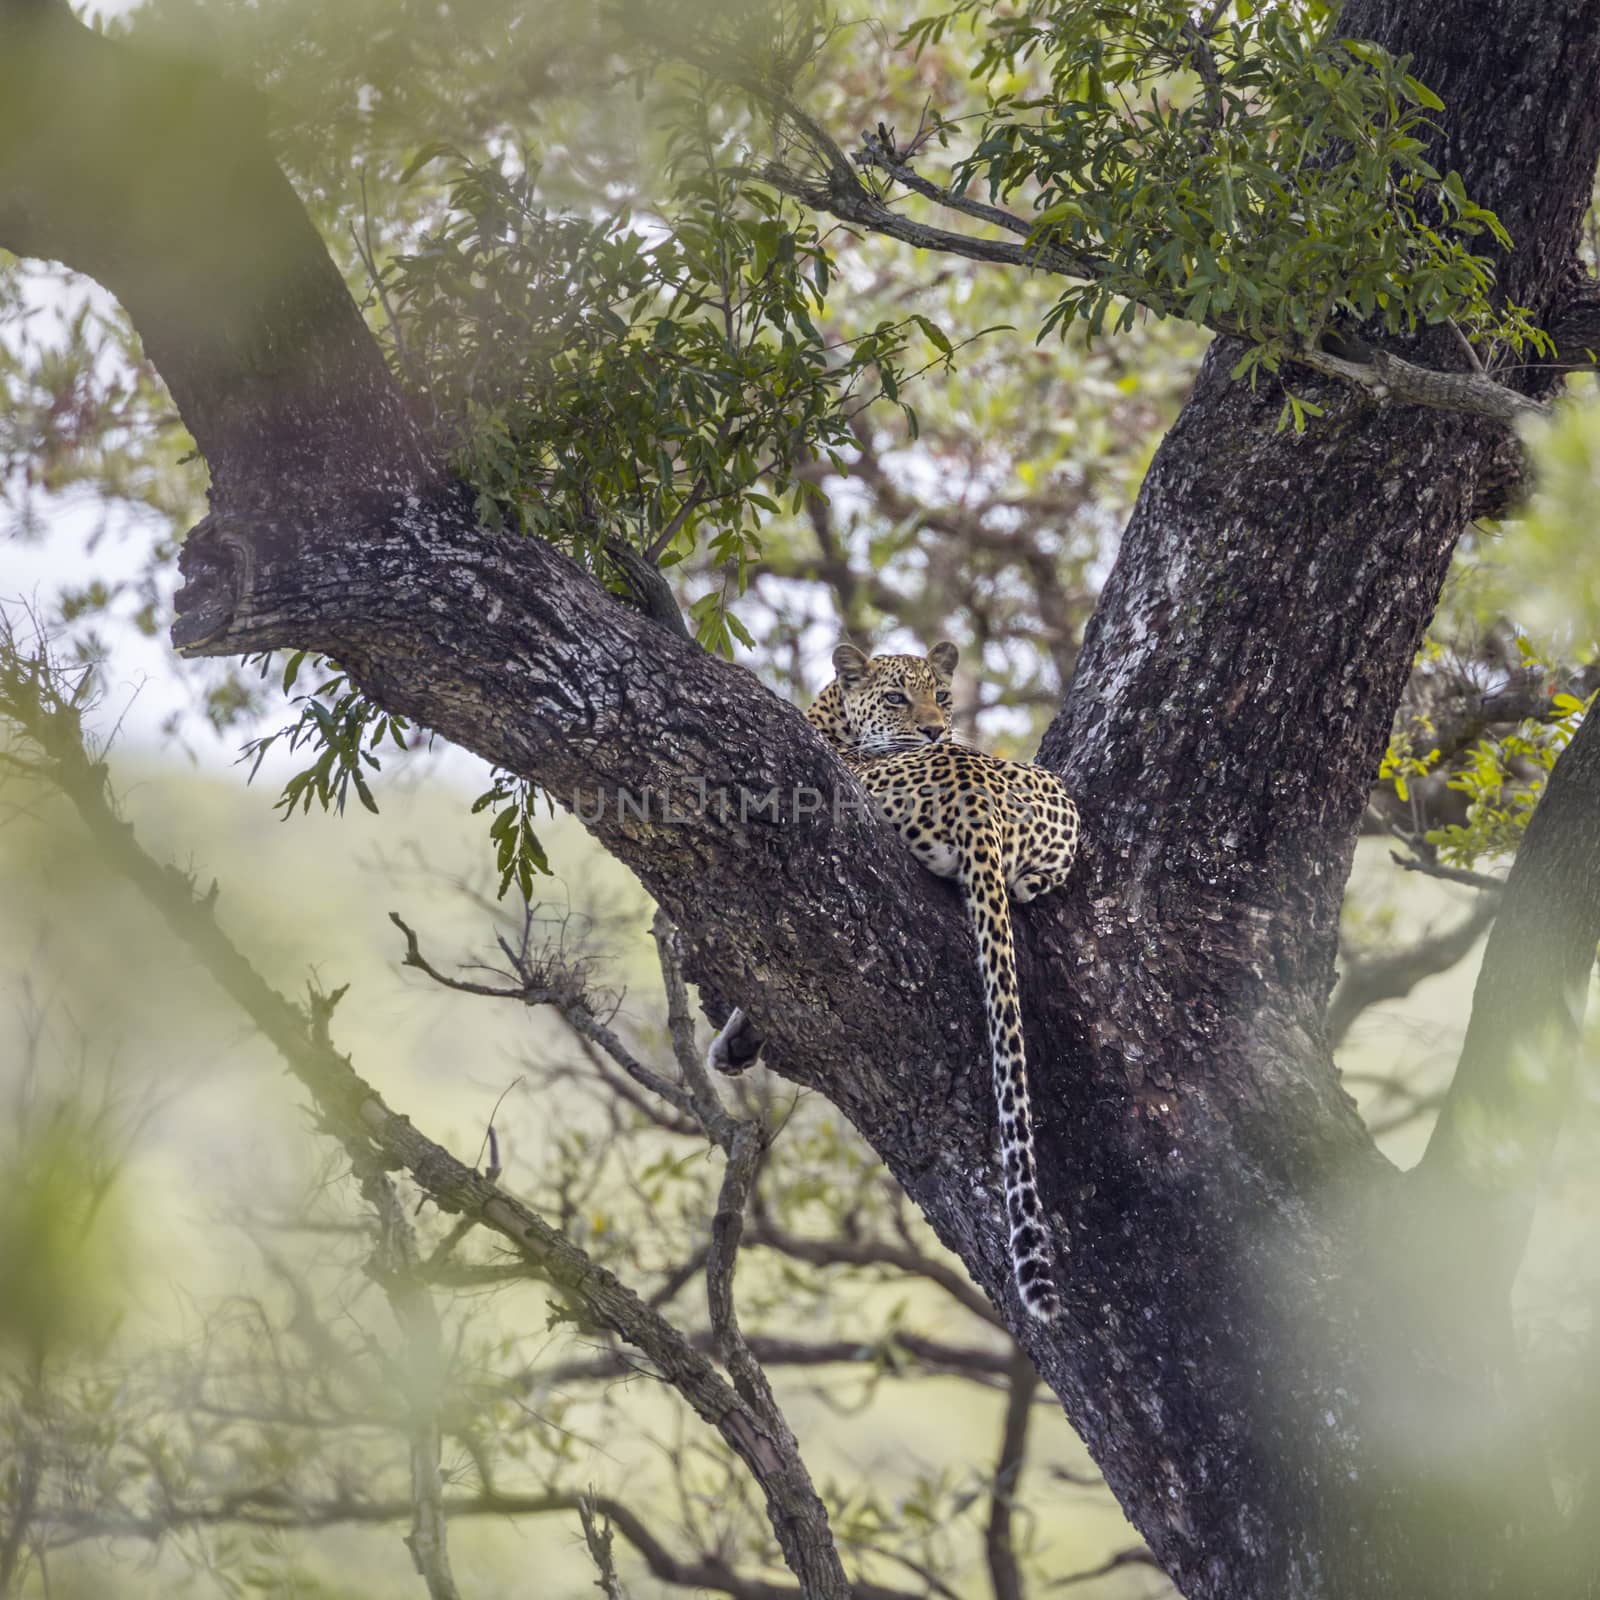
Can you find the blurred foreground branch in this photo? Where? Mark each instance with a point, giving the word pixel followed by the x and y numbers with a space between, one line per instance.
pixel 33 698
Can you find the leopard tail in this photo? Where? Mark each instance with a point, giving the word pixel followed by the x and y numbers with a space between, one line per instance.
pixel 988 907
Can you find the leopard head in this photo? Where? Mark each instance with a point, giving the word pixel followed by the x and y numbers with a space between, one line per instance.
pixel 889 703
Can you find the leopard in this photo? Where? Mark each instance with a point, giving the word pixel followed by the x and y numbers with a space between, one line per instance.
pixel 1006 832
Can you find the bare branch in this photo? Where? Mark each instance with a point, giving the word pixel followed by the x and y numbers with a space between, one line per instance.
pixel 743 1143
pixel 871 1252
pixel 1463 875
pixel 29 1478
pixel 1005 1576
pixel 275 1509
pixel 898 1352
pixel 1136 1557
pixel 547 984
pixel 1369 980
pixel 597 1535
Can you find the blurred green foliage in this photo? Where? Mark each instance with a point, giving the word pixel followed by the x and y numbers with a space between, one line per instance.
pixel 257 1365
pixel 59 1237
pixel 1548 556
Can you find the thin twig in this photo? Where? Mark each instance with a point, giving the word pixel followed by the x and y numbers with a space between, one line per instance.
pixel 538 989
pixel 1434 869
pixel 597 1535
pixel 1136 1557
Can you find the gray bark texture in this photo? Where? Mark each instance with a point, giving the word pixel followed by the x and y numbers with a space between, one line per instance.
pixel 1288 1358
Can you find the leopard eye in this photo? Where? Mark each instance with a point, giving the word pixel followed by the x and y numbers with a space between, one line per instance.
pixel 892 697
pixel 943 697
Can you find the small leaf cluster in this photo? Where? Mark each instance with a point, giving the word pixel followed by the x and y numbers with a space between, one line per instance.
pixel 1503 781
pixel 1401 763
pixel 518 854
pixel 1265 176
pixel 344 729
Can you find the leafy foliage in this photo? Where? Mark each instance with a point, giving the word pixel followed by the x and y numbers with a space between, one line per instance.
pixel 1503 781
pixel 620 334
pixel 658 379
pixel 1257 172
pixel 1470 799
pixel 518 855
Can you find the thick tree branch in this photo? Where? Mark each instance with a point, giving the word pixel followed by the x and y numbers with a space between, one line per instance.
pixel 1383 375
pixel 1386 376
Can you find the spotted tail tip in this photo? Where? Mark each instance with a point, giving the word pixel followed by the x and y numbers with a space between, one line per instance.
pixel 1037 1289
pixel 1041 1301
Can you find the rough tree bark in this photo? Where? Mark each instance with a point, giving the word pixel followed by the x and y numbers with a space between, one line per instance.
pixel 1279 1349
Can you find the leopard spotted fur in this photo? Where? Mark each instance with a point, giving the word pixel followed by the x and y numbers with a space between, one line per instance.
pixel 999 828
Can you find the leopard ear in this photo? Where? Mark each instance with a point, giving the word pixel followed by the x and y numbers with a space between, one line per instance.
pixel 943 657
pixel 850 665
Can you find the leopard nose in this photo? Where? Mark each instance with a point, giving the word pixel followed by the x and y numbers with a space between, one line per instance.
pixel 932 730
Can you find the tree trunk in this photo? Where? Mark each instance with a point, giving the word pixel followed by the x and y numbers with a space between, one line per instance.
pixel 1272 1343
